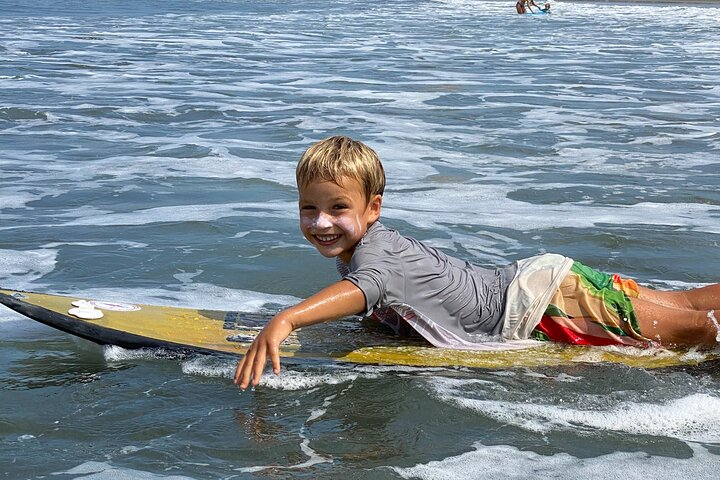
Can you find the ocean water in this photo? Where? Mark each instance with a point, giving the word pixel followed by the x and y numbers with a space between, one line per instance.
pixel 147 153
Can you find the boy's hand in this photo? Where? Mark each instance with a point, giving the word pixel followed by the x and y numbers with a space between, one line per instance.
pixel 336 301
pixel 268 341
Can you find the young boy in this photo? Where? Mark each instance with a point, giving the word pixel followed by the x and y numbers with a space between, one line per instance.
pixel 453 303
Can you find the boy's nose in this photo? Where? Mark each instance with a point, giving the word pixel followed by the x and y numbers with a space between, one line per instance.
pixel 323 220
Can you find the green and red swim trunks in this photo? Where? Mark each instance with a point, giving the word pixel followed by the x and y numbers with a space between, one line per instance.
pixel 592 308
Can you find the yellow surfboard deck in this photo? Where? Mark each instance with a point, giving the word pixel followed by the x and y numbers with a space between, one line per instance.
pixel 134 326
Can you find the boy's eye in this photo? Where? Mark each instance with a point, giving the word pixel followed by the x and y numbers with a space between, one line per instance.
pixel 307 207
pixel 340 206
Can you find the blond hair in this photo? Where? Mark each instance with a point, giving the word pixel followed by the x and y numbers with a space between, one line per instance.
pixel 341 157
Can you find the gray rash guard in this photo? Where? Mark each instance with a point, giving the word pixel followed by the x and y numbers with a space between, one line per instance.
pixel 450 302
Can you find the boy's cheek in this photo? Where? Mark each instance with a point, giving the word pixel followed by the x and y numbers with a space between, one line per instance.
pixel 305 222
pixel 348 224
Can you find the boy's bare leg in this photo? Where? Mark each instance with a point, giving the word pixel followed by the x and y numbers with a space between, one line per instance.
pixel 704 298
pixel 676 327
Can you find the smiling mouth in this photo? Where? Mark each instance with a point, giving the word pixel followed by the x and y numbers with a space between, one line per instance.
pixel 326 239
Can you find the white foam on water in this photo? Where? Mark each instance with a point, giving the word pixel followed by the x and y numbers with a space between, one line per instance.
pixel 597 355
pixel 507 462
pixel 12 197
pixel 374 370
pixel 82 211
pixel 190 213
pixel 694 355
pixel 209 366
pixel 691 418
pixel 287 379
pixel 192 295
pixel 250 232
pixel 186 277
pixel 40 181
pixel 20 268
pixel 313 459
pixel 113 353
pixel 479 205
pixel 106 471
pixel 224 367
pixel 675 284
pixel 562 377
pixel 291 380
pixel 124 243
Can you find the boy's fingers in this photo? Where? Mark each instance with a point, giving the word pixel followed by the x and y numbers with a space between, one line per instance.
pixel 250 368
pixel 240 375
pixel 275 358
pixel 258 365
pixel 238 370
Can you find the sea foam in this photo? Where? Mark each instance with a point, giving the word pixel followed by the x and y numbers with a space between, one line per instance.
pixel 506 462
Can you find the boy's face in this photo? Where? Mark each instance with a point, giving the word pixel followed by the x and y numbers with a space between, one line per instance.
pixel 334 218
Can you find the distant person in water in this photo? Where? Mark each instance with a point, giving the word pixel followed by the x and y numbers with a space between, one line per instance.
pixel 522 6
pixel 546 9
pixel 451 302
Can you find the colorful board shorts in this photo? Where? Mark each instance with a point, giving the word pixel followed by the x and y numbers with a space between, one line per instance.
pixel 592 308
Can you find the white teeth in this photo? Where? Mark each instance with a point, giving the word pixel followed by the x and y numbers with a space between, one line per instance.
pixel 326 238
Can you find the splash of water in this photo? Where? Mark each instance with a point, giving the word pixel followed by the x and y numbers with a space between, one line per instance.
pixel 711 316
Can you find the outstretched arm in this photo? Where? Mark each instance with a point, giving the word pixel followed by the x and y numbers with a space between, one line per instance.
pixel 336 301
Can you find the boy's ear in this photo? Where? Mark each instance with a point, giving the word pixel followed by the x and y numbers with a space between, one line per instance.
pixel 374 207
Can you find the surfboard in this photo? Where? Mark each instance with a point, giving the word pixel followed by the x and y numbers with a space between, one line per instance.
pixel 186 330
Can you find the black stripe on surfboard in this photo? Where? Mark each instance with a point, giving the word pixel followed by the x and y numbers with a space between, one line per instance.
pixel 95 333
